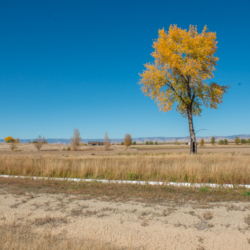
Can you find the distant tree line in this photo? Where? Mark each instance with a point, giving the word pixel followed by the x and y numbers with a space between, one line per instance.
pixel 237 141
pixel 151 143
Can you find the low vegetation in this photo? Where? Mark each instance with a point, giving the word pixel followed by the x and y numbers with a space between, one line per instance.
pixel 38 143
pixel 206 168
pixel 22 237
pixel 127 140
pixel 75 140
pixel 107 142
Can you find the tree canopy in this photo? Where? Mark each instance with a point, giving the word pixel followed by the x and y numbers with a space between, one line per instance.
pixel 184 60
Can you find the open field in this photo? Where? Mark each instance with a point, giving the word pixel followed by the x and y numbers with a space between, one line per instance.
pixel 57 149
pixel 57 215
pixel 223 166
pixel 65 215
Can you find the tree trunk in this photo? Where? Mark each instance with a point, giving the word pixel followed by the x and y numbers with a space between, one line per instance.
pixel 193 146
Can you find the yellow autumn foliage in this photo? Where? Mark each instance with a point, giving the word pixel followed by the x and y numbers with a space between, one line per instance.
pixel 9 139
pixel 183 62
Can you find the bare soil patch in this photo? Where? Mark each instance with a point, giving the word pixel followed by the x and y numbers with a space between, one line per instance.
pixel 67 215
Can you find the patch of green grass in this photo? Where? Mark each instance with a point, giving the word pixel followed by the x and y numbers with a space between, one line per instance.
pixel 133 176
pixel 246 193
pixel 203 189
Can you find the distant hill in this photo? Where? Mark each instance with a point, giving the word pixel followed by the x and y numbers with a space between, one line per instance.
pixel 143 139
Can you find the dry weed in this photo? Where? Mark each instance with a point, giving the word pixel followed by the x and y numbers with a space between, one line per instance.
pixel 144 223
pixel 207 215
pixel 50 220
pixel 200 248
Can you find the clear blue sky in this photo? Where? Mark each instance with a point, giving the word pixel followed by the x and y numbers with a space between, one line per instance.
pixel 75 64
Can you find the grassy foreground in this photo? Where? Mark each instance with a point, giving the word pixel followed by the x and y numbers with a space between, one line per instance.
pixel 125 192
pixel 208 168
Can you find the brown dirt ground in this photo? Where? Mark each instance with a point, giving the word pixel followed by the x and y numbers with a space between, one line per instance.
pixel 126 222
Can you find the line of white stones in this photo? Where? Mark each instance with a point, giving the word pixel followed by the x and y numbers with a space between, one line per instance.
pixel 177 184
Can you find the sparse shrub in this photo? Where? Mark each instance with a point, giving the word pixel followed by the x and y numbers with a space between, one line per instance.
pixel 122 143
pixel 226 142
pixel 213 140
pixel 63 149
pixel 221 142
pixel 202 142
pixel 127 140
pixel 16 140
pixel 107 143
pixel 243 141
pixel 150 143
pixel 134 143
pixel 68 148
pixel 75 139
pixel 39 142
pixel 44 141
pixel 12 142
pixel 237 140
pixel 13 145
pixel 9 139
pixel 156 143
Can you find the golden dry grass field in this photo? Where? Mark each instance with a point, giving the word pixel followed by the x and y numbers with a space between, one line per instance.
pixel 222 165
pixel 40 214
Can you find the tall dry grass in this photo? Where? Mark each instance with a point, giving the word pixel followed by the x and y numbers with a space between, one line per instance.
pixel 215 168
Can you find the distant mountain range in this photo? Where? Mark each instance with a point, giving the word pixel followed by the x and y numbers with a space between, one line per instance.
pixel 142 139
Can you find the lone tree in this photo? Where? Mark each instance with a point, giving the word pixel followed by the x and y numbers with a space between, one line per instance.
pixel 107 143
pixel 184 60
pixel 237 140
pixel 127 140
pixel 75 139
pixel 213 140
pixel 202 142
